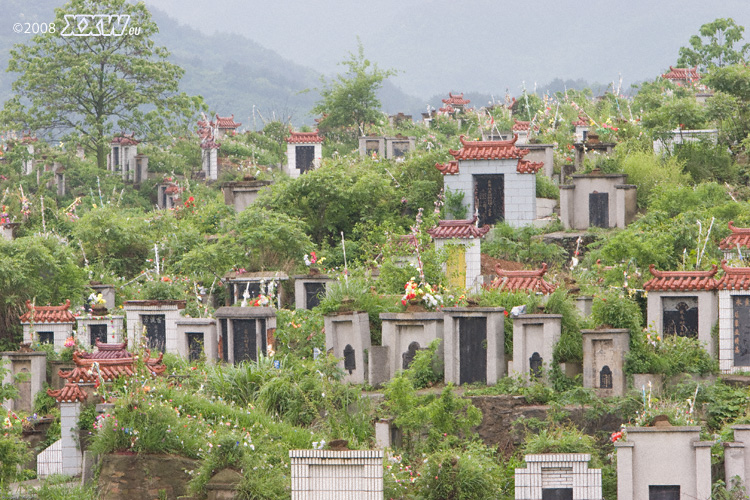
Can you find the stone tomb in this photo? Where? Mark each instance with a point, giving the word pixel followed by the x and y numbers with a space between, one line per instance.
pixel 244 332
pixel 340 475
pixel 684 303
pixel 597 200
pixel 197 339
pixel 48 324
pixel 543 153
pixel 464 265
pixel 404 334
pixel 474 344
pixel 310 289
pixel 348 337
pixel 736 246
pixel 734 319
pixel 304 151
pixel 498 184
pixel 591 149
pixel 8 230
pixel 663 463
pixel 604 360
pixel 254 283
pixel 168 195
pixel 242 194
pixel 105 329
pixel 107 291
pixel 33 366
pixel 534 339
pixel 558 476
pixel 156 319
pixel 737 457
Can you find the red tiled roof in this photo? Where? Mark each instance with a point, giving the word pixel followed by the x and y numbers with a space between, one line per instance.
pixel 210 144
pixel 531 281
pixel 521 125
pixel 450 168
pixel 735 278
pixel 682 74
pixel 107 351
pixel 456 99
pixel 666 281
pixel 48 314
pixel 172 189
pixel 740 236
pixel 125 140
pixel 110 367
pixel 447 109
pixel 304 137
pixel 458 229
pixel 226 122
pixel 581 122
pixel 70 393
pixel 27 139
pixel 529 167
pixel 489 150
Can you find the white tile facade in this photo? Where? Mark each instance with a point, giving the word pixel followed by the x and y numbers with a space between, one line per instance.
pixel 50 461
pixel 337 475
pixel 558 470
pixel 135 309
pixel 114 326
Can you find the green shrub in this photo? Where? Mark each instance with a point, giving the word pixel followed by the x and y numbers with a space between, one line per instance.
pixel 470 473
pixel 615 310
pixel 546 188
pixel 427 368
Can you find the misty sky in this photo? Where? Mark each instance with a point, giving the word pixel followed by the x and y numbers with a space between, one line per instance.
pixel 472 45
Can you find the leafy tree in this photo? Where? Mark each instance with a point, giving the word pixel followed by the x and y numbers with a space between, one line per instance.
pixel 715 46
pixel 85 85
pixel 350 100
pixel 732 86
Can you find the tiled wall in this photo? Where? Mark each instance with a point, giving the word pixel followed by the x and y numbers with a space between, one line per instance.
pixel 558 470
pixel 339 475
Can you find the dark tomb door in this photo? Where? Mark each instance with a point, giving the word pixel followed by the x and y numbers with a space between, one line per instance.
pixel 741 330
pixel 305 157
pixel 156 331
pixel 245 342
pixel 680 316
pixel 408 356
pixel 224 339
pixel 605 378
pixel 535 365
pixel 97 332
pixel 46 337
pixel 599 209
pixel 400 148
pixel 472 349
pixel 557 493
pixel 489 198
pixel 252 288
pixel 372 147
pixel 313 293
pixel 350 362
pixel 195 345
pixel 664 492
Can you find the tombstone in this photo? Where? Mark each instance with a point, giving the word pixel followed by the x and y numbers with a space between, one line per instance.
pixel 734 319
pixel 663 462
pixel 310 289
pixel 167 195
pixel 408 356
pixel 397 147
pixel 474 344
pixel 591 149
pixel 34 367
pixel 140 173
pixel 737 458
pixel 387 435
pixel 107 291
pixel 121 159
pixel 254 283
pixel 597 200
pixel 210 159
pixel 343 475
pixel 604 360
pixel 105 329
pixel 581 128
pixel 584 304
pixel 369 146
pixel 402 330
pixel 496 180
pixel 8 230
pixel 242 194
pixel 244 332
pixel 558 476
pixel 158 318
pixel 534 339
pixel 348 337
pixel 197 339
pixel 304 152
pixel 464 265
pixel 48 324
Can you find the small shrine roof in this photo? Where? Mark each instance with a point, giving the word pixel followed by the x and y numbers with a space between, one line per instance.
pixel 48 314
pixel 226 122
pixel 125 140
pixel 456 99
pixel 209 143
pixel 682 74
pixel 112 362
pixel 672 281
pixel 70 393
pixel 735 278
pixel 740 236
pixel 529 167
pixel 531 281
pixel 581 122
pixel 304 137
pixel 521 125
pixel 450 168
pixel 489 150
pixel 447 109
pixel 465 228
